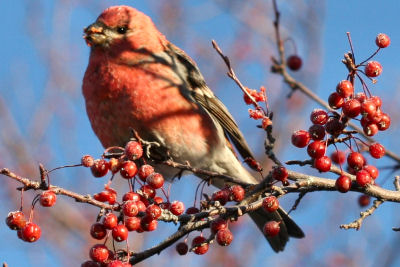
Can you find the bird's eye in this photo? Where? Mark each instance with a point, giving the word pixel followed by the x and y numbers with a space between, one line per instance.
pixel 122 30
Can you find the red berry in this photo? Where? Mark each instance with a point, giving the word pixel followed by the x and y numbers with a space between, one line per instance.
pixel 361 97
pixel 99 168
pixel 128 169
pixel 377 101
pixel 130 208
pixel 317 132
pixel 114 165
pixel 335 100
pixel 316 149
pixel 363 178
pixel 148 192
pixel 87 161
pixel 345 88
pixel 158 200
pixel 343 184
pixel 144 171
pixel 384 123
pixel 251 92
pixel 334 126
pixel 221 195
pixel 266 122
pixel 224 237
pixel 120 233
pixel 294 62
pixel 373 69
pixel 16 220
pixel 90 264
pixel 256 114
pixel 271 228
pixel 177 208
pixel 48 198
pixel 300 138
pixel 218 224
pixel 377 150
pixel 355 161
pixel 131 196
pixel 270 204
pixel 99 253
pixel 155 180
pixel 117 263
pixel 153 211
pixel 141 206
pixel 382 40
pixel 200 249
pixel 148 224
pixel 323 164
pixel 31 232
pixel 319 116
pixel 182 248
pixel 339 157
pixel 371 129
pixel 103 196
pixel 98 231
pixel 133 150
pixel 372 170
pixel 110 221
pixel 192 210
pixel 364 200
pixel 279 173
pixel 236 193
pixel 352 108
pixel 368 108
pixel 132 223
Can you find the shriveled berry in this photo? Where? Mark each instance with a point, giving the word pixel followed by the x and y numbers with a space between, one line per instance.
pixel 48 198
pixel 316 149
pixel 222 196
pixel 251 92
pixel 317 132
pixel 87 161
pixel 364 200
pixel 271 228
pixel 339 157
pixel 300 138
pixel 256 114
pixel 153 211
pixel 148 191
pixel 31 232
pixel 148 224
pixel 200 247
pixel 352 108
pixel 236 193
pixel 294 62
pixel 377 150
pixel 224 237
pixel 345 88
pixel 128 169
pixel 279 173
pixel 155 180
pixel 343 184
pixel 192 210
pixel 130 208
pixel 144 171
pixel 319 116
pixel 323 164
pixel 99 253
pixel 373 69
pixel 355 161
pixel 99 168
pixel 334 126
pixel 133 150
pixel 182 248
pixel 16 220
pixel 335 100
pixel 363 178
pixel 270 204
pixel 110 220
pixel 382 40
pixel 218 224
pixel 120 233
pixel 98 231
pixel 372 170
pixel 177 207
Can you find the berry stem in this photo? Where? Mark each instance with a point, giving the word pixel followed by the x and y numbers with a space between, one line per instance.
pixel 371 56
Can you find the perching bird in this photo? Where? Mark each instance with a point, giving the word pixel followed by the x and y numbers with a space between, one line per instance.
pixel 136 79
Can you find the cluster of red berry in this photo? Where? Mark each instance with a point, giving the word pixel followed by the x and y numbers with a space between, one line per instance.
pixel 351 105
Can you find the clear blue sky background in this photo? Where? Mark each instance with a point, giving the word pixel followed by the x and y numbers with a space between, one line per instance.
pixel 364 19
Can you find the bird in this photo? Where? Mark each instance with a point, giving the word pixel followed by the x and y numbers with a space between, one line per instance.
pixel 137 79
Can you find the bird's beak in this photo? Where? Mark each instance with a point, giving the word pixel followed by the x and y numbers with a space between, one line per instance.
pixel 94 35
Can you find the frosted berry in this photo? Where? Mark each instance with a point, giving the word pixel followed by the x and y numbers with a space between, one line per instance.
pixel 110 220
pixel 368 108
pixel 224 237
pixel 319 116
pixel 98 231
pixel 120 233
pixel 256 114
pixel 317 132
pixel 155 180
pixel 356 161
pixel 141 206
pixel 316 149
pixel 373 69
pixel 132 223
pixel 218 224
pixel 270 204
pixel 16 220
pixel 364 200
pixel 200 249
pixel 87 161
pixel 153 211
pixel 382 40
pixel 148 191
pixel 343 184
pixel 279 173
pixel 271 228
pixel 222 196
pixel 48 198
pixel 335 100
pixel 372 170
pixel 363 178
pixel 148 224
pixel 182 248
pixel 345 88
pixel 128 169
pixel 236 193
pixel 99 253
pixel 177 208
pixel 300 138
pixel 339 157
pixel 131 196
pixel 323 164
pixel 99 168
pixel 377 150
pixel 114 165
pixel 133 150
pixel 352 108
pixel 130 208
pixel 31 232
pixel 294 62
pixel 144 171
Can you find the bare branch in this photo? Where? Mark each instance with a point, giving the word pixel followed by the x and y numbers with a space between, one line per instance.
pixel 357 223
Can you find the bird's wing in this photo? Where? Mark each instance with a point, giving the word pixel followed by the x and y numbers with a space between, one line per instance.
pixel 201 93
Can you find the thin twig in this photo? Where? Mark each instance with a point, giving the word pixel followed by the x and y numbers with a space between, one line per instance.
pixel 357 223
